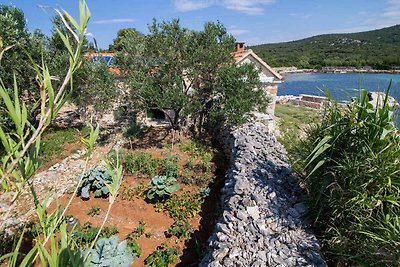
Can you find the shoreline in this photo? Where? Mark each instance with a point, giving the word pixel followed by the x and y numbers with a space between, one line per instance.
pixel 285 70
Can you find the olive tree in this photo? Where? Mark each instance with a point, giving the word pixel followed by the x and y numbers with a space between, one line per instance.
pixel 184 73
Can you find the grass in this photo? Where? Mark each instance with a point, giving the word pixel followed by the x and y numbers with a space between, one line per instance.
pixel 55 139
pixel 293 122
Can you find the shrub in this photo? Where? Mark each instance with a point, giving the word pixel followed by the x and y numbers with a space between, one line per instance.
pixel 349 163
pixel 161 187
pixel 94 180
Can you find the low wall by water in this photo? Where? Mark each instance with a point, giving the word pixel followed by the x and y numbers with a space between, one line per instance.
pixel 262 223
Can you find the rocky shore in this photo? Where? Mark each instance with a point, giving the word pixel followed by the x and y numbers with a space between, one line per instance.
pixel 263 222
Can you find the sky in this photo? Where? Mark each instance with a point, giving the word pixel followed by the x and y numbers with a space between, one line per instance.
pixel 250 21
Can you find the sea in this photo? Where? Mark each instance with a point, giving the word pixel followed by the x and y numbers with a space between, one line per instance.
pixel 342 86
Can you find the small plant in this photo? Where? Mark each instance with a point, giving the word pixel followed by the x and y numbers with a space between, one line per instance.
pixel 138 231
pixel 180 228
pixel 134 245
pixel 87 233
pixel 129 193
pixel 184 207
pixel 162 256
pixel 190 163
pixel 141 162
pixel 148 234
pixel 161 187
pixel 94 210
pixel 169 166
pixel 194 148
pixel 94 180
pixel 111 252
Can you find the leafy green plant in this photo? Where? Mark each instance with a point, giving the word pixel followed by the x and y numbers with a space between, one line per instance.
pixel 111 252
pixel 138 231
pixel 141 162
pixel 94 210
pixel 196 149
pixel 129 193
pixel 185 206
pixel 161 187
pixel 133 130
pixel 169 166
pixel 134 245
pixel 180 228
pixel 87 233
pixel 349 164
pixel 94 180
pixel 148 234
pixel 162 256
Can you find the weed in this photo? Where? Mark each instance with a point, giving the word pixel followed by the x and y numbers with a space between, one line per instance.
pixel 137 232
pixel 180 228
pixel 194 148
pixel 148 234
pixel 134 245
pixel 185 206
pixel 141 162
pixel 169 167
pixel 93 210
pixel 162 256
pixel 87 233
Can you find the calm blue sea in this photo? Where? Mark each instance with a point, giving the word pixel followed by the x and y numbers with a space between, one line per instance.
pixel 341 85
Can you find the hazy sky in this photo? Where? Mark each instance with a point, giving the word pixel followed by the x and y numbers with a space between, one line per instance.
pixel 251 21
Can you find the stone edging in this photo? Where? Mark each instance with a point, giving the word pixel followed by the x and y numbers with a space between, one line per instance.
pixel 262 221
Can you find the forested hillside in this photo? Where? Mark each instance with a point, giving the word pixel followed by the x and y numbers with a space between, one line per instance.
pixel 379 49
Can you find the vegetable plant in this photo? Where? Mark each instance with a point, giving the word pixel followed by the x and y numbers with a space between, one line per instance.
pixel 161 187
pixel 94 210
pixel 180 228
pixel 94 180
pixel 184 207
pixel 111 252
pixel 162 256
pixel 138 231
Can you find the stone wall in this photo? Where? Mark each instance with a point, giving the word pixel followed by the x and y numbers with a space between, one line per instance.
pixel 262 222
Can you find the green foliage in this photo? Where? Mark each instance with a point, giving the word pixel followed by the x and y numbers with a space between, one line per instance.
pixel 169 167
pixel 54 139
pixel 128 193
pixel 180 228
pixel 95 86
pixel 161 187
pixel 111 252
pixel 239 93
pixel 376 48
pixel 94 210
pixel 175 70
pixel 133 130
pixel 87 234
pixel 134 245
pixel 94 180
pixel 349 164
pixel 196 149
pixel 140 161
pixel 162 256
pixel 185 206
pixel 138 231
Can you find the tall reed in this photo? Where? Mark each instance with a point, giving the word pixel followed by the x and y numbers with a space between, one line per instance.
pixel 349 164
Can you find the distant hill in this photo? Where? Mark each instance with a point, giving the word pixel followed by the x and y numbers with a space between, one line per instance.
pixel 379 49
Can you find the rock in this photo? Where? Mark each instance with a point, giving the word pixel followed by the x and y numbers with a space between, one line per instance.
pixel 253 212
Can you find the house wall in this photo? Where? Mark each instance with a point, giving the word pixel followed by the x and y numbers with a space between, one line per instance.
pixel 267 80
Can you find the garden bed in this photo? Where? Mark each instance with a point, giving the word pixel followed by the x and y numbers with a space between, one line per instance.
pixel 181 221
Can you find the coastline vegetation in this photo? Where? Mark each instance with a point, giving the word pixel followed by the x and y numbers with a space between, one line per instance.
pixel 349 165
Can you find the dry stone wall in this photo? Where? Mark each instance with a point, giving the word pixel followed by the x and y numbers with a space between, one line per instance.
pixel 262 223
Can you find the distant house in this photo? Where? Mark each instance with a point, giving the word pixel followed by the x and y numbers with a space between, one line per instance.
pixel 269 78
pixel 108 58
